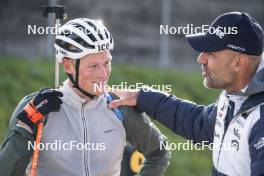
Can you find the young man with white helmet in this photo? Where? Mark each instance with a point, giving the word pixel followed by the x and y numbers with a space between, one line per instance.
pixel 77 116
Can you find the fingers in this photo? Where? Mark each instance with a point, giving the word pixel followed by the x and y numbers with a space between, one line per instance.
pixel 57 93
pixel 56 105
pixel 57 100
pixel 53 105
pixel 129 99
pixel 116 103
pixel 123 101
pixel 54 100
pixel 49 91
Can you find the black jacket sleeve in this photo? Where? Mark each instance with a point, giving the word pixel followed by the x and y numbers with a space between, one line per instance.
pixel 192 121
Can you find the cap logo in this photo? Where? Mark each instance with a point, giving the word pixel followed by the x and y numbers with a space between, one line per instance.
pixel 236 47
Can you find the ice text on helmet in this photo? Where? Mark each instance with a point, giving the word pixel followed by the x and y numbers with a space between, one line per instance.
pixel 103 47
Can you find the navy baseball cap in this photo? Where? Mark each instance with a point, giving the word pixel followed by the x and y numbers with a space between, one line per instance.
pixel 235 31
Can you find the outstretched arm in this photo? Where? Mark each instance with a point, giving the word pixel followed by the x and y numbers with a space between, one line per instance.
pixel 192 121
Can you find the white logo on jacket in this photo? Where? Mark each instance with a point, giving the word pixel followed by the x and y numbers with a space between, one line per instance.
pixel 259 144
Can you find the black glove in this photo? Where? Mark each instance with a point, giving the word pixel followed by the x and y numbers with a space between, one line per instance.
pixel 46 101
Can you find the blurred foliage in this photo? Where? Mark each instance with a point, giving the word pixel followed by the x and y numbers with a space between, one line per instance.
pixel 20 77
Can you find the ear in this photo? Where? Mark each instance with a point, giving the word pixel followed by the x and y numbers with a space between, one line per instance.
pixel 68 66
pixel 241 62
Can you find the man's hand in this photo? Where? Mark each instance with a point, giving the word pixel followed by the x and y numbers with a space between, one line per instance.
pixel 127 98
pixel 46 101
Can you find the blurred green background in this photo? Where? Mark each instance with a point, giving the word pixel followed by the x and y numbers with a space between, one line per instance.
pixel 20 77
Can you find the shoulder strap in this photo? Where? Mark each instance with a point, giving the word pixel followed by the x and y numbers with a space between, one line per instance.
pixel 117 112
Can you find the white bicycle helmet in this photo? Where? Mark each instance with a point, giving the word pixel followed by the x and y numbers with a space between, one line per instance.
pixel 80 37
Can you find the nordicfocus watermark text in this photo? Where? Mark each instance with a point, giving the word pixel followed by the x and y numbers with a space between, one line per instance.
pixel 191 29
pixel 126 86
pixel 189 145
pixel 41 30
pixel 58 145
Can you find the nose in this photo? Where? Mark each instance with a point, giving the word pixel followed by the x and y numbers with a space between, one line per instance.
pixel 103 72
pixel 202 58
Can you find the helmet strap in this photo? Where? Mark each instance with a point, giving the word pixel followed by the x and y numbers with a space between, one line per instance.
pixel 76 81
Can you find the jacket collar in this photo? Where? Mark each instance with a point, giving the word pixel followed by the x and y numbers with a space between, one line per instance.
pixel 73 99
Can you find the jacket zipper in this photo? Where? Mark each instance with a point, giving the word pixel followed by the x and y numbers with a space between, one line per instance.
pixel 220 149
pixel 85 141
pixel 225 130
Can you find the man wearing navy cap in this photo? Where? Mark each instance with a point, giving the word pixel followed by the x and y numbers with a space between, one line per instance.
pixel 230 61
